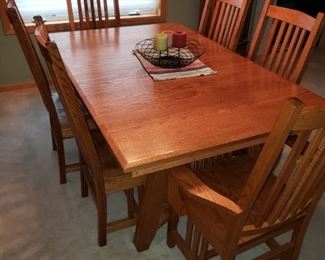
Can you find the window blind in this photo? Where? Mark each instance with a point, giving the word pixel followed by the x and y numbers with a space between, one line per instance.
pixel 56 10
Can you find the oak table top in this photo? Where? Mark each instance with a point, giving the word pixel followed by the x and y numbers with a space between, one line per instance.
pixel 152 126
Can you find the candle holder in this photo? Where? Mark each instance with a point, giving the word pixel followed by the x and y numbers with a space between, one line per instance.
pixel 172 57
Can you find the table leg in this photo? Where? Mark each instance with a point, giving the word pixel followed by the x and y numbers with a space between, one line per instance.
pixel 151 208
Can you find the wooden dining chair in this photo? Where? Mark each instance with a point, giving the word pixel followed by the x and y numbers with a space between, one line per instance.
pixel 223 20
pixel 100 172
pixel 92 14
pixel 249 200
pixel 290 37
pixel 60 127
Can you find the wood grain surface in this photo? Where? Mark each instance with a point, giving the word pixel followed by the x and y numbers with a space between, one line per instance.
pixel 153 126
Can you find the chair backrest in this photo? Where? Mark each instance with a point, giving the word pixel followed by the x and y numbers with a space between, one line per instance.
pixel 289 41
pixel 301 179
pixel 92 14
pixel 73 108
pixel 31 56
pixel 223 20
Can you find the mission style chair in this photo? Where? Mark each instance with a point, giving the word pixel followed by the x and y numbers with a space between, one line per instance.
pixel 289 42
pixel 60 127
pixel 92 14
pixel 223 21
pixel 238 204
pixel 100 173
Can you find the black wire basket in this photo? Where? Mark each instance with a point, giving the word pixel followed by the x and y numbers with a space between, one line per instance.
pixel 172 57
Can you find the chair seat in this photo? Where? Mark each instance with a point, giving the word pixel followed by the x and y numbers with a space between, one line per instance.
pixel 229 177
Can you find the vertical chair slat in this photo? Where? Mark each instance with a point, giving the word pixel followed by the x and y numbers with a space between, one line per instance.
pixel 70 15
pixel 189 233
pixel 214 18
pixel 93 22
pixel 117 11
pixel 295 54
pixel 80 14
pixel 268 42
pixel 276 45
pixel 87 21
pixel 205 16
pixel 307 179
pixel 283 48
pixel 219 22
pixel 302 201
pixel 242 8
pixel 290 51
pixel 196 242
pixel 283 177
pixel 294 179
pixel 99 14
pixel 230 19
pixel 234 17
pixel 106 13
pixel 224 23
pixel 203 249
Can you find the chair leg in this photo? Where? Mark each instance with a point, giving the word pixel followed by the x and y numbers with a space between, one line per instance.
pixel 83 183
pixel 131 203
pixel 54 147
pixel 298 238
pixel 140 193
pixel 62 165
pixel 102 221
pixel 171 227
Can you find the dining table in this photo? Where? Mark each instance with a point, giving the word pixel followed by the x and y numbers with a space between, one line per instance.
pixel 153 126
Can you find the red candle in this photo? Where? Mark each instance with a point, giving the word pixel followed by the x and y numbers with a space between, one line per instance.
pixel 179 39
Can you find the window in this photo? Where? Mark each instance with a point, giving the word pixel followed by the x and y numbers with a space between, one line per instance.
pixel 55 12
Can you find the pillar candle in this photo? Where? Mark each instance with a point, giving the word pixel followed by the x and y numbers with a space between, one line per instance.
pixel 161 42
pixel 179 39
pixel 170 37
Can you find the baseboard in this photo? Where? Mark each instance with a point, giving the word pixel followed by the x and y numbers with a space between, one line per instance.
pixel 17 86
